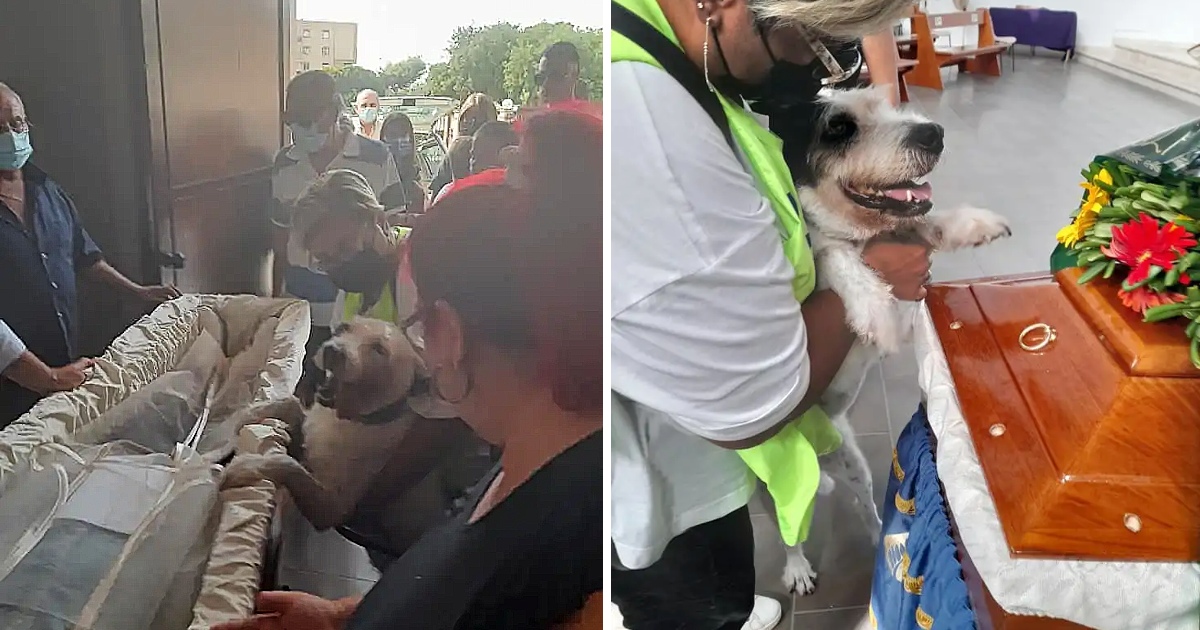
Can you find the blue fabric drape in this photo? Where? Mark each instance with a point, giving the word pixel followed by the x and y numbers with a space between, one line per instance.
pixel 918 583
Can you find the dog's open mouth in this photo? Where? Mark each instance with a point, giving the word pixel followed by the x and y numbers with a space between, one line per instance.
pixel 327 390
pixel 909 198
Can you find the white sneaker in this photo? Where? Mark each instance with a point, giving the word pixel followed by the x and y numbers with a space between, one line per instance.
pixel 613 620
pixel 766 614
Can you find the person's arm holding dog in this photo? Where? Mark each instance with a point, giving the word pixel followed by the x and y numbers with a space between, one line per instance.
pixel 720 343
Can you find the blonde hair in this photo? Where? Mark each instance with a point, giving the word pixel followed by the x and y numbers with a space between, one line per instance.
pixel 339 191
pixel 839 19
pixel 480 107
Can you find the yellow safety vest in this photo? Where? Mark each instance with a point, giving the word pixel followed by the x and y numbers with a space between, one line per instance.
pixel 385 307
pixel 788 461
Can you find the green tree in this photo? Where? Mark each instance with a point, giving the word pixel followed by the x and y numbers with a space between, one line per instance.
pixel 399 76
pixel 352 79
pixel 522 62
pixel 500 60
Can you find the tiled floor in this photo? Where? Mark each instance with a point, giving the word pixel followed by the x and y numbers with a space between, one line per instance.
pixel 322 563
pixel 1015 145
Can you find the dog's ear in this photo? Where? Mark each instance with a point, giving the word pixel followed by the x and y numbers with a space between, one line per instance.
pixel 430 405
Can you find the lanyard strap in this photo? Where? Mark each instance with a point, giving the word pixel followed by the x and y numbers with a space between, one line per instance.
pixel 674 62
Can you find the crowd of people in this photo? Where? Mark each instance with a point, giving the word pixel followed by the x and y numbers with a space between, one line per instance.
pixel 502 274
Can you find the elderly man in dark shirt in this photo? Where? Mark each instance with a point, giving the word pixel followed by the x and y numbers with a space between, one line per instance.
pixel 42 247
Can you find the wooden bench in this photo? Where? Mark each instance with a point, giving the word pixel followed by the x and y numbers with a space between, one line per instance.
pixel 983 58
pixel 903 67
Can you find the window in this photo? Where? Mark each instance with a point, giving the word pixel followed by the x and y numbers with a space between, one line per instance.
pixel 324 51
pixel 306 49
pixel 305 66
pixel 306 34
pixel 325 34
pixel 324 64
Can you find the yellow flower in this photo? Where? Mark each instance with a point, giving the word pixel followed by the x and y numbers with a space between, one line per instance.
pixel 1096 195
pixel 1079 228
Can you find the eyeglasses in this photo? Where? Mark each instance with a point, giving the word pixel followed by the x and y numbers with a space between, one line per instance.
pixel 19 125
pixel 837 74
pixel 413 328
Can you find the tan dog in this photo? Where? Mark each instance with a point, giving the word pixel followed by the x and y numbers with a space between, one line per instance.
pixel 374 443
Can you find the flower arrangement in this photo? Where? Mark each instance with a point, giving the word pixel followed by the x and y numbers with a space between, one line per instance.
pixel 1143 230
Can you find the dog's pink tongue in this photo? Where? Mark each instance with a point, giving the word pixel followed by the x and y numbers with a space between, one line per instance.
pixel 924 192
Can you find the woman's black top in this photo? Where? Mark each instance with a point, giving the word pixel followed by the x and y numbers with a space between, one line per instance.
pixel 529 563
pixel 456 165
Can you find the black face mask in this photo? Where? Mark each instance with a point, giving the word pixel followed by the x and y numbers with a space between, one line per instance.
pixel 787 84
pixel 365 272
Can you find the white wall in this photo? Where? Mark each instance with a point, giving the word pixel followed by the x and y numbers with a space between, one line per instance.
pixel 1101 20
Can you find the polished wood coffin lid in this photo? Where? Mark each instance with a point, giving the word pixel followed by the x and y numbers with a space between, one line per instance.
pixel 1090 446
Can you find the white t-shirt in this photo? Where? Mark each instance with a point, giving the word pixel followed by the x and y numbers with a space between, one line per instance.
pixel 708 342
pixel 292 174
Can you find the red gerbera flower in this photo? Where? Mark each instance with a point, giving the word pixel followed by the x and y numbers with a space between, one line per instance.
pixel 1143 243
pixel 1141 299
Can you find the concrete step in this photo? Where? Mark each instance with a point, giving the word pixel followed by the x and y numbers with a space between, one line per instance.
pixel 1163 66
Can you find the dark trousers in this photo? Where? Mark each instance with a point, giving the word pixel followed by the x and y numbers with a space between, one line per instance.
pixel 14 401
pixel 704 580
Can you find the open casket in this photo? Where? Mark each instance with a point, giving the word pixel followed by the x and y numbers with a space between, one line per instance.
pixel 1066 449
pixel 105 522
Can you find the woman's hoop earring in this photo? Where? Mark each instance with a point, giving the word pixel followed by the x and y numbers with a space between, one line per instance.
pixel 707 33
pixel 437 388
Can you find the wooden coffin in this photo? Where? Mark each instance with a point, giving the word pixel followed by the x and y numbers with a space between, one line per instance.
pixel 989 615
pixel 1090 444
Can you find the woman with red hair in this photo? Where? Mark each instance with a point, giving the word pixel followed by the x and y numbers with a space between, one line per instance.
pixel 509 315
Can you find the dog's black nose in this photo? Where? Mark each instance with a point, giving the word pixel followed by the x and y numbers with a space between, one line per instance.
pixel 332 356
pixel 927 137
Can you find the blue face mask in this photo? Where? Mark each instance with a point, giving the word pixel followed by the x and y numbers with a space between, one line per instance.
pixel 369 115
pixel 15 150
pixel 308 139
pixel 401 148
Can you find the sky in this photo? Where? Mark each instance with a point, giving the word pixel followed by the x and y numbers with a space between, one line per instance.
pixel 391 30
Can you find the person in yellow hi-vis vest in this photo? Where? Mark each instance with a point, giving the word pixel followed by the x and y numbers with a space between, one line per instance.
pixel 344 228
pixel 720 343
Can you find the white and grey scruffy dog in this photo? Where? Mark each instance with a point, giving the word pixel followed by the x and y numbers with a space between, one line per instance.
pixel 867 164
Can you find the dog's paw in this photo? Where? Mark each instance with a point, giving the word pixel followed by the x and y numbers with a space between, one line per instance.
pixel 870 313
pixel 874 321
pixel 971 227
pixel 245 470
pixel 798 574
pixel 826 485
pixel 250 468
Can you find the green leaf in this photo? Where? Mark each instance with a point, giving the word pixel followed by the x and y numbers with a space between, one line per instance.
pixel 1093 271
pixel 1164 312
pixel 1109 269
